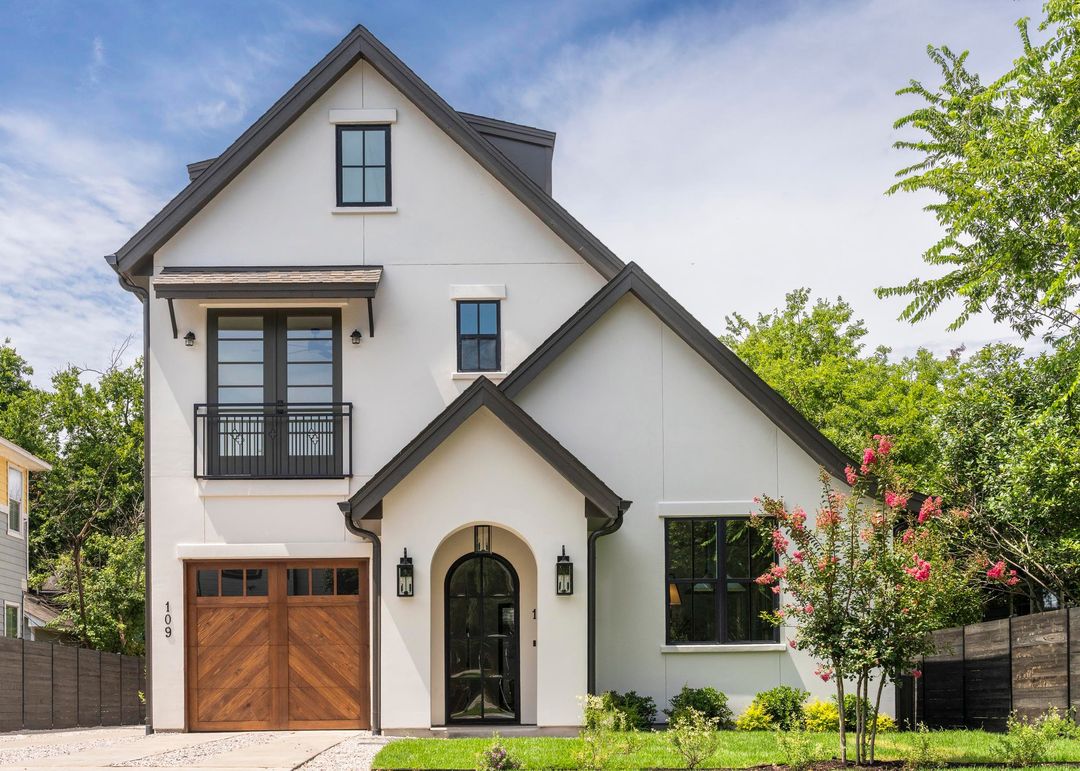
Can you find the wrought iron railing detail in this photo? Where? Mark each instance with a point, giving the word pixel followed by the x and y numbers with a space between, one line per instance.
pixel 273 441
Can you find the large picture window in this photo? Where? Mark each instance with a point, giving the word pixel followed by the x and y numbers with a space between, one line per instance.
pixel 363 165
pixel 711 595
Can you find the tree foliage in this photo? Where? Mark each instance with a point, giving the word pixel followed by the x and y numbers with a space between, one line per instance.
pixel 1003 161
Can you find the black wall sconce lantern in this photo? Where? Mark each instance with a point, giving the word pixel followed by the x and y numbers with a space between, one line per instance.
pixel 564 574
pixel 189 339
pixel 405 575
pixel 356 337
pixel 482 539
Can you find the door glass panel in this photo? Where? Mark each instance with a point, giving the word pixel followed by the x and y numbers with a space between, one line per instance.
pixel 206 583
pixel 482 640
pixel 256 582
pixel 348 581
pixel 296 582
pixel 322 581
pixel 232 582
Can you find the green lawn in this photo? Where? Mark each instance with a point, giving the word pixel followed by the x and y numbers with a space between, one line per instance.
pixel 737 750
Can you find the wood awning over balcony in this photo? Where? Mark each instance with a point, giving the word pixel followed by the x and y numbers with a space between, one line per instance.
pixel 258 283
pixel 302 282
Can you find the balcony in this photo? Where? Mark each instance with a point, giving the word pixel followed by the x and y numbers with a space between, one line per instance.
pixel 273 441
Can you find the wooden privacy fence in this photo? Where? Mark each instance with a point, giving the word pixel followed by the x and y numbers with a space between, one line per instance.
pixel 43 685
pixel 982 672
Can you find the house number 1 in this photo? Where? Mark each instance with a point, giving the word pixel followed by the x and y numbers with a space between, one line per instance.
pixel 168 619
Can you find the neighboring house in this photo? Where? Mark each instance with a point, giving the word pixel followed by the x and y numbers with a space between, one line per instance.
pixel 15 467
pixel 399 404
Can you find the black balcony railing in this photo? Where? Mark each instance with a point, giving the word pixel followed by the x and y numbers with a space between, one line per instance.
pixel 273 441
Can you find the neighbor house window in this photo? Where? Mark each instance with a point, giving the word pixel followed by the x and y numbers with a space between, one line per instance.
pixel 363 165
pixel 15 499
pixel 478 336
pixel 710 591
pixel 11 620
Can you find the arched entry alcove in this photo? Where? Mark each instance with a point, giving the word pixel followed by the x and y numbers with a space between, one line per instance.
pixel 483 630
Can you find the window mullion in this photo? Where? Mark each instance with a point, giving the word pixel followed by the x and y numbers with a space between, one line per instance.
pixel 721 580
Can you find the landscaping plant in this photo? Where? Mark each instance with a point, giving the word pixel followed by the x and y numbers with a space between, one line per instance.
pixel 708 701
pixel 694 736
pixel 866 582
pixel 784 706
pixel 821 716
pixel 495 756
pixel 923 756
pixel 606 732
pixel 639 711
pixel 754 718
pixel 1026 741
pixel 797 748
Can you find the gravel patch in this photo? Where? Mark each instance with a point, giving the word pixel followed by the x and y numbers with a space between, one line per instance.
pixel 197 752
pixel 353 754
pixel 18 755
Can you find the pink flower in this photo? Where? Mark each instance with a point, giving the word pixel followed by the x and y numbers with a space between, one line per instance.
pixel 996 571
pixel 824 674
pixel 884 445
pixel 798 518
pixel 877 519
pixel 792 644
pixel 836 499
pixel 827 518
pixel 764 579
pixel 868 457
pixel 921 571
pixel 808 609
pixel 895 500
pixel 778 571
pixel 916 673
pixel 779 543
pixel 931 507
pixel 908 536
pixel 797 557
pixel 849 474
pixel 775 589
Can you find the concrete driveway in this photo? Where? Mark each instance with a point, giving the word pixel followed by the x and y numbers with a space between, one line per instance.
pixel 130 747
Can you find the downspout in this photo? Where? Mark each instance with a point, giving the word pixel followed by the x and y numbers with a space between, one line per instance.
pixel 144 298
pixel 608 529
pixel 376 613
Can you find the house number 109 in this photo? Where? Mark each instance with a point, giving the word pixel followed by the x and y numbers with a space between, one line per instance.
pixel 168 619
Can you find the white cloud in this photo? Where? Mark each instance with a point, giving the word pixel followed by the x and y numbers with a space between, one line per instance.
pixel 737 158
pixel 97 60
pixel 66 200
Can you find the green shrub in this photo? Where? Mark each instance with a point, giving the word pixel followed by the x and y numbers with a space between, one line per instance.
pixel 784 705
pixel 885 724
pixel 708 701
pixel 639 711
pixel 606 733
pixel 1058 726
pixel 797 748
pixel 694 735
pixel 821 716
pixel 495 757
pixel 922 756
pixel 1026 742
pixel 754 718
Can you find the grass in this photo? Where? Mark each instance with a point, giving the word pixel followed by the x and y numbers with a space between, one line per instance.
pixel 737 750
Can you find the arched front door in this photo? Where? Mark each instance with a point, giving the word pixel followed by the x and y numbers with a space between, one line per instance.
pixel 482 641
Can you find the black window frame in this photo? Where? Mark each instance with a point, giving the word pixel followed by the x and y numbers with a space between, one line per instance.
pixel 497 337
pixel 362 128
pixel 720 583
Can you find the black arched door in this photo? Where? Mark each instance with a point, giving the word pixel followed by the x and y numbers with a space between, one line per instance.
pixel 482 649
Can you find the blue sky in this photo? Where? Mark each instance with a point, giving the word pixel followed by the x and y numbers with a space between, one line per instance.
pixel 737 150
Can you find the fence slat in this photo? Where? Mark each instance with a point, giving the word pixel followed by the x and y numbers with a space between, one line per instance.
pixel 11 675
pixel 37 685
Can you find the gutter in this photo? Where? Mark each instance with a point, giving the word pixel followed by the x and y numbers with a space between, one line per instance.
pixel 608 529
pixel 144 298
pixel 376 614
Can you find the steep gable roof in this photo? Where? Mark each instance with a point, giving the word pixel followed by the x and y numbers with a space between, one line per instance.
pixel 633 280
pixel 483 393
pixel 359 44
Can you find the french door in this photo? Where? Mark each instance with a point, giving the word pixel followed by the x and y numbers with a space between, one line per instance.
pixel 482 641
pixel 274 392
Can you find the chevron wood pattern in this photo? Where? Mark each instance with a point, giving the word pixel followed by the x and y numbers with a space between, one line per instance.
pixel 277 661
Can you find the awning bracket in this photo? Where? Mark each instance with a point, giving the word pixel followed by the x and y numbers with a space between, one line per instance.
pixel 172 317
pixel 370 317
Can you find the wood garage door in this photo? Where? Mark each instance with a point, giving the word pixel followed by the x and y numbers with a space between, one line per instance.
pixel 277 645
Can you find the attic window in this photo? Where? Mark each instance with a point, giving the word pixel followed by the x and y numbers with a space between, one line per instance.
pixel 363 165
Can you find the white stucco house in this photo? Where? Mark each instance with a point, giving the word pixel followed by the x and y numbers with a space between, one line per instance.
pixel 399 404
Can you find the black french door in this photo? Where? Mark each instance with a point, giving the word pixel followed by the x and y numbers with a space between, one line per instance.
pixel 482 641
pixel 274 392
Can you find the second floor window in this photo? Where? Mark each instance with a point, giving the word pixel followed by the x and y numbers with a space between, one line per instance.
pixel 363 165
pixel 711 593
pixel 15 499
pixel 478 334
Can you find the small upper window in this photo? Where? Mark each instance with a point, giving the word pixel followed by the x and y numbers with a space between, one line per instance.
pixel 478 336
pixel 11 621
pixel 363 165
pixel 15 499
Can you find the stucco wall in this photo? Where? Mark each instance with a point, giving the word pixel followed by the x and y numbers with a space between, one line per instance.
pixel 664 429
pixel 483 474
pixel 454 225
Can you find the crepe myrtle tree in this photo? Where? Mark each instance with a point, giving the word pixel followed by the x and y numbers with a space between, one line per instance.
pixel 866 584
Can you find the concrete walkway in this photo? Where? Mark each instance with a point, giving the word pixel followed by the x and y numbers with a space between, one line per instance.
pixel 130 747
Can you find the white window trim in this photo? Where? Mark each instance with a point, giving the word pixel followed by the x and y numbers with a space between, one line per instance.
pixel 360 116
pixel 761 647
pixel 477 292
pixel 494 377
pixel 706 509
pixel 5 505
pixel 18 619
pixel 363 209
